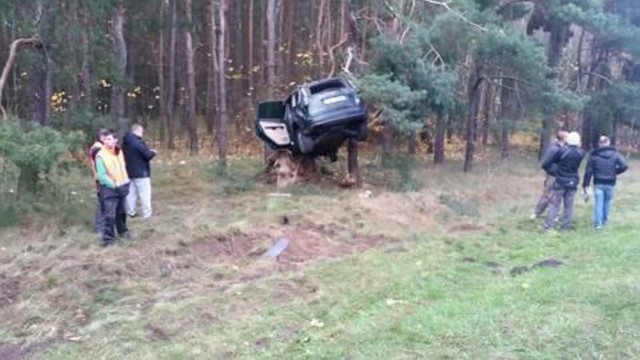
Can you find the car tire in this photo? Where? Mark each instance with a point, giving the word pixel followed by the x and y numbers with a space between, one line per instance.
pixel 305 143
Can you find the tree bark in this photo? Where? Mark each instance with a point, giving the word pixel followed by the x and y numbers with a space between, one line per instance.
pixel 212 68
pixel 508 114
pixel 353 167
pixel 557 38
pixel 162 89
pixel 475 83
pixel 13 50
pixel 192 125
pixel 271 61
pixel 441 129
pixel 486 116
pixel 118 88
pixel 223 123
pixel 171 86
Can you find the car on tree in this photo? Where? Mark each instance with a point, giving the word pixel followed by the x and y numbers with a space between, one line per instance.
pixel 315 119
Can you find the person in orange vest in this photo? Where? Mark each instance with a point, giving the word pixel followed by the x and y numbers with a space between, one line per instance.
pixel 114 188
pixel 99 221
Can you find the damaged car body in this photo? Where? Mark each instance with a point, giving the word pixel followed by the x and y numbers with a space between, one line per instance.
pixel 315 119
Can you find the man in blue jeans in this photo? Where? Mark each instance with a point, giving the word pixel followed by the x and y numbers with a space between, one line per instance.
pixel 604 165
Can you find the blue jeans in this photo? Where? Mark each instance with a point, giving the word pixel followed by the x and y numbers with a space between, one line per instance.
pixel 603 195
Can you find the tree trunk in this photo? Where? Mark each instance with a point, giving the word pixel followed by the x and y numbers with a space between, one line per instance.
pixel 118 88
pixel 171 86
pixel 557 38
pixel 271 61
pixel 388 135
pixel 411 143
pixel 212 68
pixel 13 51
pixel 162 89
pixel 507 114
pixel 441 129
pixel 192 125
pixel 222 124
pixel 41 87
pixel 486 116
pixel 250 51
pixel 353 167
pixel 475 82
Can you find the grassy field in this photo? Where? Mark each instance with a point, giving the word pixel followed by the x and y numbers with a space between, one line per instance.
pixel 429 264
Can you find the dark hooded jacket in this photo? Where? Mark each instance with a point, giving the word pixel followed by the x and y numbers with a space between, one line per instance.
pixel 137 156
pixel 564 167
pixel 604 165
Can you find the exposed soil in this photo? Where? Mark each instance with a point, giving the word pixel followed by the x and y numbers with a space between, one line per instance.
pixel 11 352
pixel 9 291
pixel 307 241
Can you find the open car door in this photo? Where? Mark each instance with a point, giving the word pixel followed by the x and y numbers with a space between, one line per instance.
pixel 270 125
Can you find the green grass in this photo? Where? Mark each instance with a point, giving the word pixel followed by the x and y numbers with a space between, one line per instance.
pixel 428 292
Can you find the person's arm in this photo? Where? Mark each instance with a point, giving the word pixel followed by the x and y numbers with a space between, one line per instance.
pixel 621 164
pixel 588 173
pixel 144 150
pixel 548 161
pixel 103 176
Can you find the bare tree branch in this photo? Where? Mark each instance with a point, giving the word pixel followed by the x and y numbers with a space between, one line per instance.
pixel 344 39
pixel 7 66
pixel 456 13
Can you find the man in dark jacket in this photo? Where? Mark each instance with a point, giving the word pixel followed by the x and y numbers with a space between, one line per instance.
pixel 604 165
pixel 547 190
pixel 137 156
pixel 564 167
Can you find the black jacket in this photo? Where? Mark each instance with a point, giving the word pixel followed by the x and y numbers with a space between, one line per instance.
pixel 604 165
pixel 137 156
pixel 550 154
pixel 564 165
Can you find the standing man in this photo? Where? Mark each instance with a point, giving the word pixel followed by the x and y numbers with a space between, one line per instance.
pixel 138 155
pixel 99 220
pixel 114 188
pixel 564 167
pixel 547 190
pixel 604 165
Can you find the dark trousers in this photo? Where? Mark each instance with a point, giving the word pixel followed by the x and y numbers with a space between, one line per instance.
pixel 114 213
pixel 561 196
pixel 547 195
pixel 99 221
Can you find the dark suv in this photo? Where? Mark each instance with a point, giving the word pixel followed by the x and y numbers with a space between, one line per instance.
pixel 315 119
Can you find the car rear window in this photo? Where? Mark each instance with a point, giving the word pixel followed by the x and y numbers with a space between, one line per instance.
pixel 326 85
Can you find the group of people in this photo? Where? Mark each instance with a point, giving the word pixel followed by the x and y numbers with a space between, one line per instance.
pixel 561 164
pixel 122 176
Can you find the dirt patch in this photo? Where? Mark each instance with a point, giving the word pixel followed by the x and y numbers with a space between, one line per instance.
pixel 307 241
pixel 9 290
pixel 11 352
pixel 154 333
pixel 466 227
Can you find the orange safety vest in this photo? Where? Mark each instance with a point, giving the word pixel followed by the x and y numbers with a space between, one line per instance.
pixel 92 160
pixel 115 165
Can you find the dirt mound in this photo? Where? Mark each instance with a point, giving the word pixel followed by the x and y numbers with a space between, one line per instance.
pixel 307 241
pixel 9 289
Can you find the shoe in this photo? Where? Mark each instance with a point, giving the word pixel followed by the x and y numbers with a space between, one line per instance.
pixel 132 215
pixel 598 227
pixel 127 236
pixel 106 244
pixel 533 216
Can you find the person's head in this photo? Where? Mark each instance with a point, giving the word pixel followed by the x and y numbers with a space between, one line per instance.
pixel 101 134
pixel 604 141
pixel 561 136
pixel 137 130
pixel 111 139
pixel 573 139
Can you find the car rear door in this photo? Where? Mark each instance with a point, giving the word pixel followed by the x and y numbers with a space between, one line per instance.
pixel 270 125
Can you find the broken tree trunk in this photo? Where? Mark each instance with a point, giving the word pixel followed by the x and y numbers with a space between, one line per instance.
pixel 13 50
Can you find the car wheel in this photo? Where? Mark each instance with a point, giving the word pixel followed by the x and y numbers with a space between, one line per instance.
pixel 305 143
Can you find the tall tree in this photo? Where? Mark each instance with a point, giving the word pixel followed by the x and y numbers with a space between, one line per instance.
pixel 192 125
pixel 222 58
pixel 119 82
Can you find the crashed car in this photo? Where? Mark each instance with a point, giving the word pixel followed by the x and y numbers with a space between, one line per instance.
pixel 315 120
